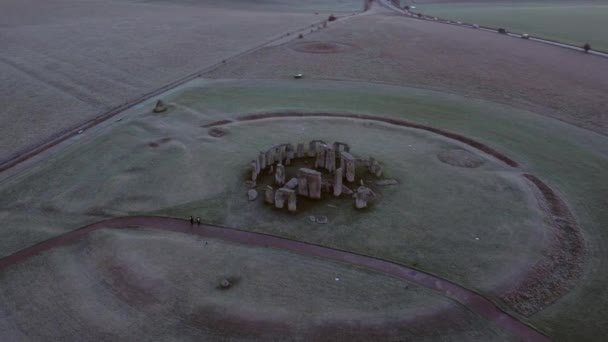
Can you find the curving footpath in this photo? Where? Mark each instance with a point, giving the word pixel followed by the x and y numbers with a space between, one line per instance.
pixel 470 299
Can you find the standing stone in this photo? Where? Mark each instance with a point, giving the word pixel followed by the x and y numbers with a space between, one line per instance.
pixel 269 195
pixel 338 182
pixel 337 145
pixel 330 160
pixel 262 160
pixel 279 199
pixel 379 170
pixel 252 194
pixel 320 160
pixel 269 158
pixel 347 164
pixel 300 152
pixel 362 196
pixel 279 153
pixel 312 148
pixel 326 185
pixel 302 184
pixel 292 201
pixel 309 183
pixel 254 170
pixel 279 175
pixel 374 167
pixel 288 154
pixel 314 187
pixel 283 195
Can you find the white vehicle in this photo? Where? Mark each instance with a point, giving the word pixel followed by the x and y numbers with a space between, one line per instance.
pixel 475 26
pixel 525 36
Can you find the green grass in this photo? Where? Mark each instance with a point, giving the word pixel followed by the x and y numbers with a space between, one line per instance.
pixel 574 23
pixel 105 168
pixel 140 282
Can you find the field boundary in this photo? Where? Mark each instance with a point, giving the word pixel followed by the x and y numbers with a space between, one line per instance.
pixel 421 16
pixel 398 122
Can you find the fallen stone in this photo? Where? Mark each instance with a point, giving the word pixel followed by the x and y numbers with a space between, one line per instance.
pixel 225 283
pixel 346 190
pixel 160 107
pixel 386 182
pixel 252 194
pixel 322 219
pixel 292 184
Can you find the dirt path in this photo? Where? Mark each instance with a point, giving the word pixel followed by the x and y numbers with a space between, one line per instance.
pixel 470 299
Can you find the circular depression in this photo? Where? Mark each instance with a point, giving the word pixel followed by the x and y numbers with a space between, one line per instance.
pixel 481 227
pixel 319 47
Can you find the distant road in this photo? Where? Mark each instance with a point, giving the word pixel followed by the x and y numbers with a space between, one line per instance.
pixel 388 4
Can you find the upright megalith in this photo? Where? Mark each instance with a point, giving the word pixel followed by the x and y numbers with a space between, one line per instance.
pixel 300 151
pixel 312 147
pixel 283 195
pixel 309 183
pixel 262 160
pixel 253 165
pixel 277 154
pixel 338 182
pixel 292 200
pixel 320 156
pixel 330 159
pixel 302 184
pixel 345 147
pixel 270 157
pixel 362 196
pixel 374 167
pixel 269 195
pixel 279 175
pixel 289 154
pixel 347 164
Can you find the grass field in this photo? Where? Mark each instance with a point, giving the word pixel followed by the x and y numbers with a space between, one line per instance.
pixel 570 22
pixel 123 284
pixel 114 170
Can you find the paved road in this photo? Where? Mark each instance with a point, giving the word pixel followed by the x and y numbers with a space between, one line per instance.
pixel 470 299
pixel 388 4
